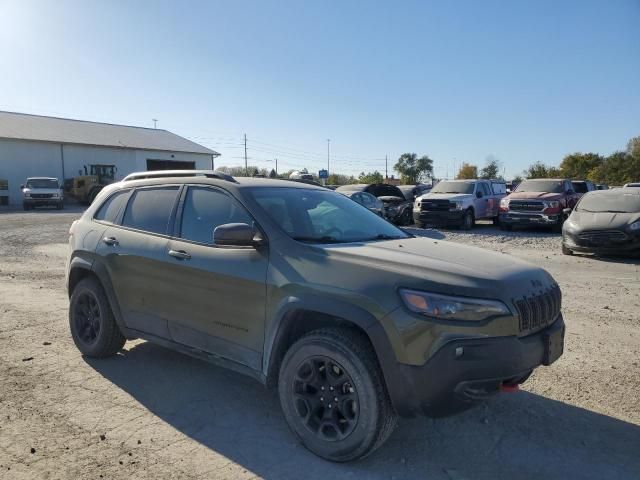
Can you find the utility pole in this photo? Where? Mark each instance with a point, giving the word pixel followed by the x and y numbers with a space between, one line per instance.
pixel 386 172
pixel 155 122
pixel 328 142
pixel 246 168
pixel 276 167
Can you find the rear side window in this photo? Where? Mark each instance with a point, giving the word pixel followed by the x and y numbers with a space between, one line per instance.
pixel 150 209
pixel 110 209
pixel 205 209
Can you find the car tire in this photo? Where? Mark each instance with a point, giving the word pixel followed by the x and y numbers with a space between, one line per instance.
pixel 496 221
pixel 341 360
pixel 468 220
pixel 93 327
pixel 60 206
pixel 566 251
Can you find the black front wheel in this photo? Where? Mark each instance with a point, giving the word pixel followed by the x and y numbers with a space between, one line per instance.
pixel 333 395
pixel 468 220
pixel 93 326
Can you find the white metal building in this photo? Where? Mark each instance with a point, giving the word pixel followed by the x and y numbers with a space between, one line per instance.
pixel 38 146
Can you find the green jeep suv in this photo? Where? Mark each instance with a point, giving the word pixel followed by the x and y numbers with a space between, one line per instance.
pixel 352 319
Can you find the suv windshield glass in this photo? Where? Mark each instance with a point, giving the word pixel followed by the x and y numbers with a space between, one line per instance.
pixel 317 216
pixel 453 187
pixel 42 183
pixel 618 203
pixel 547 186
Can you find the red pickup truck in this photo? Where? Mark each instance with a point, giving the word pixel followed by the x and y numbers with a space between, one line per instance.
pixel 538 201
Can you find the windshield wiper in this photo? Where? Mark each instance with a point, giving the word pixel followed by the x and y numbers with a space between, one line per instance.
pixel 323 239
pixel 383 236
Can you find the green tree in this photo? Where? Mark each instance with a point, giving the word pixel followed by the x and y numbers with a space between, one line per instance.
pixel 338 179
pixel 517 180
pixel 467 172
pixel 581 165
pixel 540 170
pixel 412 169
pixel 371 177
pixel 273 174
pixel 491 168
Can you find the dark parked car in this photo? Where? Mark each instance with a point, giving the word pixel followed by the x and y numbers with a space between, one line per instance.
pixel 354 320
pixel 606 222
pixel 411 192
pixel 367 200
pixel 583 186
pixel 602 186
pixel 396 207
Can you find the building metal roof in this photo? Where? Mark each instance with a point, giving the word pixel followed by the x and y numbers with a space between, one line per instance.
pixel 22 126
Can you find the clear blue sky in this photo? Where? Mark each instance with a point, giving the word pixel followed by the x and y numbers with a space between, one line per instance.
pixel 522 81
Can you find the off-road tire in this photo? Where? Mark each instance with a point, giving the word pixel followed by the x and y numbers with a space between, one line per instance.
pixel 108 339
pixel 468 220
pixel 351 351
pixel 566 251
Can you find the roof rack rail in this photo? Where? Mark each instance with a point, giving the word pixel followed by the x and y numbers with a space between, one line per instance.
pixel 179 173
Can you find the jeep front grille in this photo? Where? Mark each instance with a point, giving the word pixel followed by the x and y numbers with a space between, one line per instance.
pixel 538 311
pixel 436 205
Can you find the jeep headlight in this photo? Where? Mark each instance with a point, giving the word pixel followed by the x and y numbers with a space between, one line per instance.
pixel 635 226
pixel 54 195
pixel 552 204
pixel 504 203
pixel 445 307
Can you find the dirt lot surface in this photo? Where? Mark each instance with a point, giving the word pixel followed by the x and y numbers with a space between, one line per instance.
pixel 149 413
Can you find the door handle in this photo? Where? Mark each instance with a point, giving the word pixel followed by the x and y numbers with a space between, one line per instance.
pixel 110 240
pixel 179 254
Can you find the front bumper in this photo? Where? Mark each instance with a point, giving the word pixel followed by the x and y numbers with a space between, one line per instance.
pixel 533 218
pixel 466 371
pixel 628 247
pixel 39 202
pixel 440 217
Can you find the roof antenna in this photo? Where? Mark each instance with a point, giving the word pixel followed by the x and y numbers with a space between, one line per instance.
pixel 155 122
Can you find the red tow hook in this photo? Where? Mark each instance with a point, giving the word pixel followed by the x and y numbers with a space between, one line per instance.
pixel 509 387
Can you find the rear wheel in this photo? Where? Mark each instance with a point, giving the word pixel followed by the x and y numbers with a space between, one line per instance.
pixel 333 395
pixel 93 326
pixel 468 220
pixel 566 251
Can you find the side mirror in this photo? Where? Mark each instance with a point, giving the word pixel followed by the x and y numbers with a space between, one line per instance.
pixel 237 235
pixel 479 194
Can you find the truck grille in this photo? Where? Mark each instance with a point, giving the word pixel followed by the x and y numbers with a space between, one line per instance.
pixel 602 236
pixel 436 205
pixel 41 195
pixel 538 311
pixel 526 206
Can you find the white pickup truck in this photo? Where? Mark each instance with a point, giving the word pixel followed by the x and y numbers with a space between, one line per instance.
pixel 459 203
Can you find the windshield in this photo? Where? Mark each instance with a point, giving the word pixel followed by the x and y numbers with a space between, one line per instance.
pixel 550 186
pixel 453 187
pixel 317 216
pixel 617 203
pixel 42 183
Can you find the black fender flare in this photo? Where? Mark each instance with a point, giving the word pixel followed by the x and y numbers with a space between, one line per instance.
pixel 100 271
pixel 344 311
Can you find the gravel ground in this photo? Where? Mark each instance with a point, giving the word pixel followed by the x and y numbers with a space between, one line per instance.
pixel 150 413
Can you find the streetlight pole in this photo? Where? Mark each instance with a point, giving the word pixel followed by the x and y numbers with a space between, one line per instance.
pixel 328 143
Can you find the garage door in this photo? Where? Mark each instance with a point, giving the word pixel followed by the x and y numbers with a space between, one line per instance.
pixel 169 165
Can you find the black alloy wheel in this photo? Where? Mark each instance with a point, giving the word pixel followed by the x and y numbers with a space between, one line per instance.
pixel 325 398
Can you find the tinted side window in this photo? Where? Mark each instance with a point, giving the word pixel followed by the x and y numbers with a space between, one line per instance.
pixel 205 209
pixel 110 209
pixel 150 208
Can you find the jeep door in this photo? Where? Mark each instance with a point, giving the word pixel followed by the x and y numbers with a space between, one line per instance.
pixel 482 202
pixel 219 295
pixel 134 256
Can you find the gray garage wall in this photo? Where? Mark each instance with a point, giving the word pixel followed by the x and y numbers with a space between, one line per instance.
pixel 21 159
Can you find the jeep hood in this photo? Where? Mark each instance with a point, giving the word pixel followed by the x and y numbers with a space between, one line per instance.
pixel 534 195
pixel 444 267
